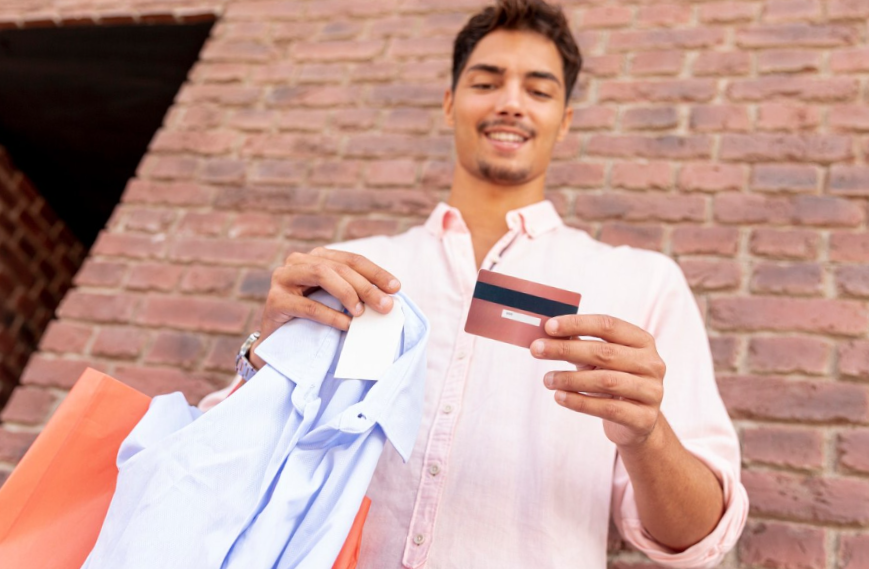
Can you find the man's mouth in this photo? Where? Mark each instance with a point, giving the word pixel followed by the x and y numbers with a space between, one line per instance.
pixel 501 136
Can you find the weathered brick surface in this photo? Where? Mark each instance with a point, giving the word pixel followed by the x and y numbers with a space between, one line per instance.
pixel 732 136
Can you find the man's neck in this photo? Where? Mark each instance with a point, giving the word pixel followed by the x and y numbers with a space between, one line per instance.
pixel 484 206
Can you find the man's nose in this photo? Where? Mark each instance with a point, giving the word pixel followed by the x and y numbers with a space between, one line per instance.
pixel 510 102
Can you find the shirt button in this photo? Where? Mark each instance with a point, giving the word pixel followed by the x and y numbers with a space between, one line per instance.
pixel 447 409
pixel 434 469
pixel 418 539
pixel 461 355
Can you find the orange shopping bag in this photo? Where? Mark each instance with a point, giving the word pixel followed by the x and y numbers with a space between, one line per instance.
pixel 53 505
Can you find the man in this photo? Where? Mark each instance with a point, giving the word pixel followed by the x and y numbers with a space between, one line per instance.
pixel 522 453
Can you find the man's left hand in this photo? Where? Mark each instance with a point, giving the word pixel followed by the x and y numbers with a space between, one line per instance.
pixel 624 374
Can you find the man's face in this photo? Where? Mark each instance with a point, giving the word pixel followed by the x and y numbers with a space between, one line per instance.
pixel 508 107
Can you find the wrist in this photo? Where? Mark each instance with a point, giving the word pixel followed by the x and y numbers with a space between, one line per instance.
pixel 654 443
pixel 243 365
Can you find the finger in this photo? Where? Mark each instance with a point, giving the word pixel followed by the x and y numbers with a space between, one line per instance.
pixel 599 326
pixel 380 277
pixel 627 413
pixel 614 383
pixel 324 275
pixel 283 308
pixel 592 353
pixel 367 291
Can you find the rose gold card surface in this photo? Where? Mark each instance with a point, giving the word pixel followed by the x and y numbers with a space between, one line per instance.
pixel 514 310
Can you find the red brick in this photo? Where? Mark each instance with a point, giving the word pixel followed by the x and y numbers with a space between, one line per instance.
pixel 398 146
pixel 391 173
pixel 719 118
pixel 849 247
pixel 254 225
pixel 838 317
pixel 323 72
pixel 13 445
pixel 854 359
pixel 28 406
pixel 408 120
pixel 793 35
pixel 203 223
pixel 696 240
pixel 849 60
pixel 783 546
pixel 668 147
pixel 724 63
pixel 356 119
pixel 606 17
pixel 311 96
pixel 784 178
pixel 703 275
pixel 265 9
pixel 783 147
pixel 61 373
pixel 772 398
pixel 848 10
pixel 341 173
pixel 153 381
pixel 711 177
pixel 637 176
pixel 440 46
pixel 403 202
pixel 602 65
pixel 175 349
pixel 576 175
pixel 359 228
pixel 308 120
pixel 594 118
pixel 96 307
pixel 437 174
pixel 213 72
pixel 808 498
pixel 853 281
pixel 788 61
pixel 825 90
pixel 381 71
pixel 340 29
pixel 849 180
pixel 206 142
pixel 198 117
pixel 98 273
pixel 154 276
pixel 209 280
pixel 784 244
pixel 726 12
pixel 650 118
pixel 657 63
pixel 312 227
pixel 128 245
pixel 639 207
pixel 725 352
pixel 853 450
pixel 175 194
pixel 275 200
pixel 255 284
pixel 568 148
pixel 65 337
pixel 355 50
pixel 663 15
pixel 788 355
pixel 223 170
pixel 854 552
pixel 279 74
pixel 849 118
pixel 643 237
pixel 278 172
pixel 792 280
pixel 120 343
pixel 666 91
pixel 225 251
pixel 392 95
pixel 198 314
pixel 796 448
pixel 791 11
pixel 221 355
pixel 690 38
pixel 396 27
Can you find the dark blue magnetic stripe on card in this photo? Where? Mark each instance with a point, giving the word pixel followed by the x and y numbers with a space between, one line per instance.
pixel 522 301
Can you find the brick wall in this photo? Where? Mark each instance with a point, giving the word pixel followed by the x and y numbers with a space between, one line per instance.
pixel 38 258
pixel 733 136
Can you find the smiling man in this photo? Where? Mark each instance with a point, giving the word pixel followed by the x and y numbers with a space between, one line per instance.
pixel 524 455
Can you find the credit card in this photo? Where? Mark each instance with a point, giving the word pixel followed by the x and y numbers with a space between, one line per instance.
pixel 514 310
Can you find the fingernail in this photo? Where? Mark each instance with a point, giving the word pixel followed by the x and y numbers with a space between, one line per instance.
pixel 385 302
pixel 359 308
pixel 560 396
pixel 537 347
pixel 549 379
pixel 393 284
pixel 552 325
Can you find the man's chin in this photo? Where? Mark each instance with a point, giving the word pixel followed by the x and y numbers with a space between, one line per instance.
pixel 504 175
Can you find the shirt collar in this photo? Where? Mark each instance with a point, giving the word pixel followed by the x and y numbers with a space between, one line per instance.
pixel 533 220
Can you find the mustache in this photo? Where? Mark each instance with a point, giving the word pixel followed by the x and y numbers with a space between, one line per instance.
pixel 485 125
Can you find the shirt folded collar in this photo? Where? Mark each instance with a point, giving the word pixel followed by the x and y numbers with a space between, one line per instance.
pixel 533 220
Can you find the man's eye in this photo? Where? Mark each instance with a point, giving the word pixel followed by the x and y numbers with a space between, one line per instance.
pixel 541 94
pixel 482 86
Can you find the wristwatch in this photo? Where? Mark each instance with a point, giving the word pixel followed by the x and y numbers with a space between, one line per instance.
pixel 242 362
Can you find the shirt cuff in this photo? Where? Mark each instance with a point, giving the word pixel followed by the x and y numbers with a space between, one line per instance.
pixel 708 552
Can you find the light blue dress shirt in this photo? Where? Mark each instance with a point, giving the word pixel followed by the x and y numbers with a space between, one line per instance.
pixel 273 476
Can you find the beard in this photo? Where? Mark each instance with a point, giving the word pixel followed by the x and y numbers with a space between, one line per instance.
pixel 503 175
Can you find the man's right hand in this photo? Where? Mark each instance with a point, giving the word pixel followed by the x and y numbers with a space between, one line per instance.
pixel 351 278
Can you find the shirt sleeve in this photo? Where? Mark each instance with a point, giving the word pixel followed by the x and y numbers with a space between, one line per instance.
pixel 697 414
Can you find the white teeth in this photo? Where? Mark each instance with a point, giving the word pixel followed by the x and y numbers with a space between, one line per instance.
pixel 506 137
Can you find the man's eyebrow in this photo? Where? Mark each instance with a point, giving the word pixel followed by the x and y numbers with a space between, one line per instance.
pixel 495 70
pixel 543 75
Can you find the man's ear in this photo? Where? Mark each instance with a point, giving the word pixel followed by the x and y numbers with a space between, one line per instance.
pixel 448 108
pixel 565 123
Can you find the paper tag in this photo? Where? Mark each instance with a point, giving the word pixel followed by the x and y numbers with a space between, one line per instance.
pixel 371 344
pixel 524 318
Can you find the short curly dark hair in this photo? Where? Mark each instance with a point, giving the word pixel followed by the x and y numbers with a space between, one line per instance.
pixel 522 15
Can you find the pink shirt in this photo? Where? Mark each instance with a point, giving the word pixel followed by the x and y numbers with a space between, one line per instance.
pixel 501 475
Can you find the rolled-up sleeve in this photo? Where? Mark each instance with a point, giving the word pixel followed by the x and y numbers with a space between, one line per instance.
pixel 697 414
